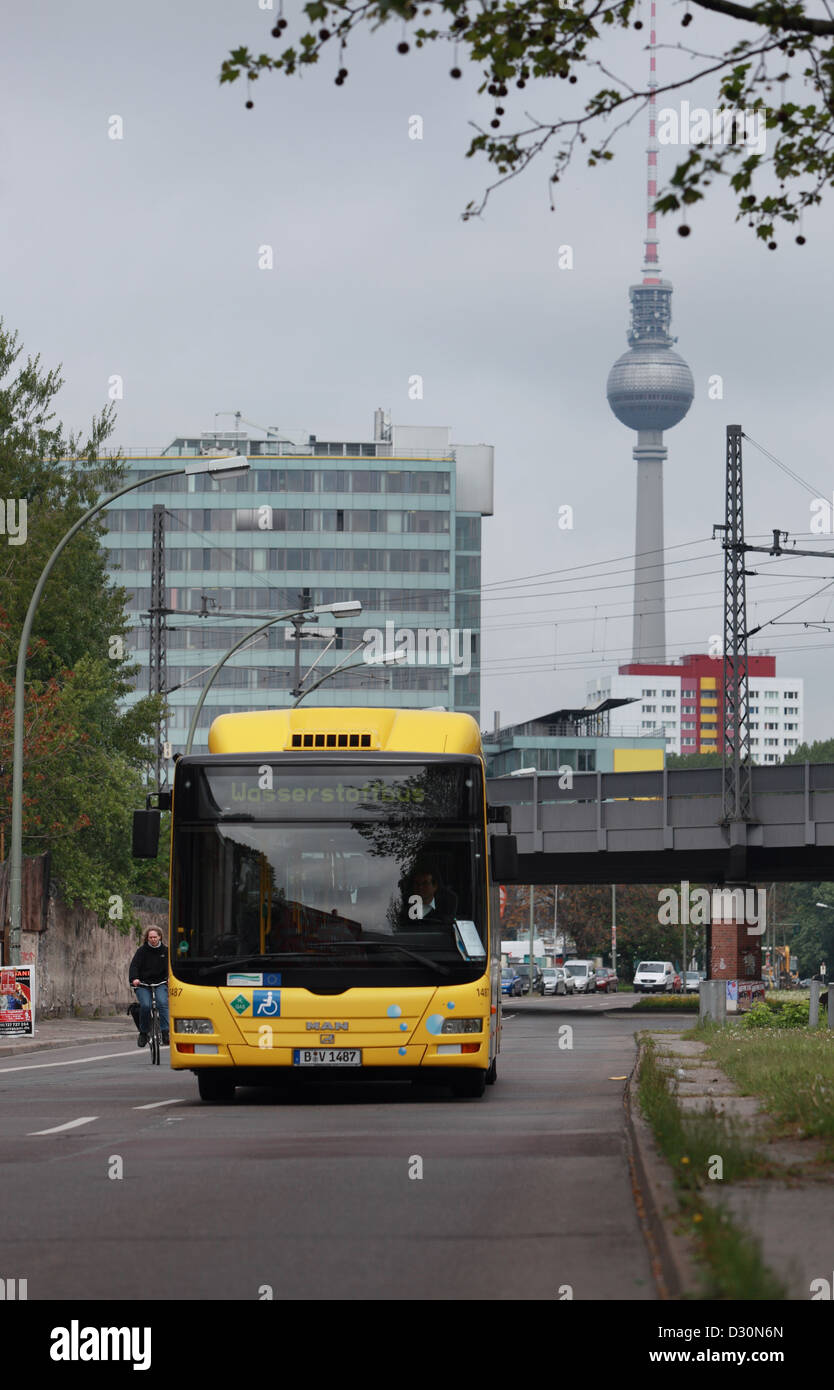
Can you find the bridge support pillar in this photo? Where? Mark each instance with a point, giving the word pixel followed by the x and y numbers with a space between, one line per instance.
pixel 738 924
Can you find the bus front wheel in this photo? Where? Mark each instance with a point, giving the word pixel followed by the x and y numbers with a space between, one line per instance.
pixel 214 1086
pixel 469 1084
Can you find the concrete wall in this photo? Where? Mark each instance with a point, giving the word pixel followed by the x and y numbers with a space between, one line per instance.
pixel 80 966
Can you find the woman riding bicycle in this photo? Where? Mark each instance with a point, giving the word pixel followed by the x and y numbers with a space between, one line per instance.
pixel 150 967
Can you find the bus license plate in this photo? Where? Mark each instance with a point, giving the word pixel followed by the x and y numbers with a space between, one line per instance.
pixel 327 1057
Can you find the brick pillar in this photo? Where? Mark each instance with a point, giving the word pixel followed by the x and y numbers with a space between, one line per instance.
pixel 736 935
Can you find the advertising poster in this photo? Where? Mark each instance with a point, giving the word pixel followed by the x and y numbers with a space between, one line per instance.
pixel 17 1014
pixel 743 994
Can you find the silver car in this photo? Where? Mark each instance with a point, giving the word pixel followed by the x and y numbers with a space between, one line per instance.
pixel 555 981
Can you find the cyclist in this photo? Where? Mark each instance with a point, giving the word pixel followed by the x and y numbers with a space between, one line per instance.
pixel 150 967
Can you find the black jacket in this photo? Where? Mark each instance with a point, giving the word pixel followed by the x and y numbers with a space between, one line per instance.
pixel 150 965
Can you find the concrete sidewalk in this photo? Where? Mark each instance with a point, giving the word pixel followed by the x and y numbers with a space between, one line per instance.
pixel 70 1032
pixel 790 1214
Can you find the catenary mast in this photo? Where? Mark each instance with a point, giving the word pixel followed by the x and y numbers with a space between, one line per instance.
pixel 650 389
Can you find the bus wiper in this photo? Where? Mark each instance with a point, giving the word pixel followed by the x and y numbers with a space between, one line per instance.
pixel 231 963
pixel 394 946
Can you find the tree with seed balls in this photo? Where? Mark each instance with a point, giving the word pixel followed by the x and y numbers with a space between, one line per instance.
pixel 777 58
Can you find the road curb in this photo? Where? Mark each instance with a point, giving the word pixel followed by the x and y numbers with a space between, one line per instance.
pixel 656 1200
pixel 21 1048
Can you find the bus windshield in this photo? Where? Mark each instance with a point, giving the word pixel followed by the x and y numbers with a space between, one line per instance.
pixel 329 876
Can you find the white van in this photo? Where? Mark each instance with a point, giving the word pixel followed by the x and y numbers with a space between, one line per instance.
pixel 652 975
pixel 582 974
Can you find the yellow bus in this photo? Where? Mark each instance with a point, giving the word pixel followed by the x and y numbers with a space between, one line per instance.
pixel 330 910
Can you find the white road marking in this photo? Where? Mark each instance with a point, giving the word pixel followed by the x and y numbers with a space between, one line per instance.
pixel 71 1124
pixel 76 1061
pixel 177 1100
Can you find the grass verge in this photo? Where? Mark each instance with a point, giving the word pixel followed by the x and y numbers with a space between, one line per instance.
pixel 732 1264
pixel 791 1069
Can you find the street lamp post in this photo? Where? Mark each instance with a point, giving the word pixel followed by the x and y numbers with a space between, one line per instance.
pixel 337 609
pixel 226 466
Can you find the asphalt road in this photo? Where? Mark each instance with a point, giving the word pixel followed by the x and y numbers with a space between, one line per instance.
pixel 315 1194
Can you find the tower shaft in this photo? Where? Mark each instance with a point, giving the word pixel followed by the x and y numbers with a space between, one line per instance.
pixel 649 633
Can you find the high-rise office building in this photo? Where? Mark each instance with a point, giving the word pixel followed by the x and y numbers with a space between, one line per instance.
pixel 394 522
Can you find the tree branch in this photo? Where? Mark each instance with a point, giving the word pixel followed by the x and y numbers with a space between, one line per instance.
pixel 771 17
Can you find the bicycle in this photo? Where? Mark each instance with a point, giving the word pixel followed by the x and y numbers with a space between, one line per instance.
pixel 155 1031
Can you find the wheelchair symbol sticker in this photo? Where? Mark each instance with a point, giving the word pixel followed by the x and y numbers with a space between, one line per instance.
pixel 266 1003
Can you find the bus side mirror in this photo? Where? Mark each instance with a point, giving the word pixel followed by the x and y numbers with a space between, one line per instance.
pixel 503 850
pixel 145 834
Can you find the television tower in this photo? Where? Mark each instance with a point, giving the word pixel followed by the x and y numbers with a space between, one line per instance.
pixel 650 389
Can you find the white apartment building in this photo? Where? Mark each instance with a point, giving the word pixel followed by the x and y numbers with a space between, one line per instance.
pixel 683 701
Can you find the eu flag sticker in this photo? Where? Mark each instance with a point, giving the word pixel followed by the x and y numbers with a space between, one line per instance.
pixel 270 979
pixel 266 1003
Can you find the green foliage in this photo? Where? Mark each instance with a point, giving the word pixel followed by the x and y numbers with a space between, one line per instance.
pixel 84 758
pixel 667 1004
pixel 773 1015
pixel 809 930
pixel 678 761
pixel 512 45
pixel 821 751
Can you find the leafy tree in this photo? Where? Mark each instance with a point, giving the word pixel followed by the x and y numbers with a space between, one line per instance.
pixel 812 938
pixel 820 751
pixel 585 918
pixel 83 755
pixel 679 761
pixel 783 62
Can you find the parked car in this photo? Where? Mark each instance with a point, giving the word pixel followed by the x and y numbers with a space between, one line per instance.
pixel 555 981
pixel 582 974
pixel 654 977
pixel 692 981
pixel 524 972
pixel 511 982
pixel 605 981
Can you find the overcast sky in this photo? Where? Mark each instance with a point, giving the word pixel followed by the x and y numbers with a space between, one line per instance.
pixel 139 257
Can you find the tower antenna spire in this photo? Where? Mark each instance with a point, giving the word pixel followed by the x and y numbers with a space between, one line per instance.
pixel 651 263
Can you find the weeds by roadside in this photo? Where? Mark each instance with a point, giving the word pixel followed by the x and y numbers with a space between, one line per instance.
pixel 733 1267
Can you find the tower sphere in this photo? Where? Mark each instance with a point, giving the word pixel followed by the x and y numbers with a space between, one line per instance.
pixel 650 387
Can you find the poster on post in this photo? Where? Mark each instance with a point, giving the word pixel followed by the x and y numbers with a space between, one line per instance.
pixel 17 1010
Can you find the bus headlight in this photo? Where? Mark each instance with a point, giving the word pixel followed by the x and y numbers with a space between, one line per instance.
pixel 192 1025
pixel 462 1025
